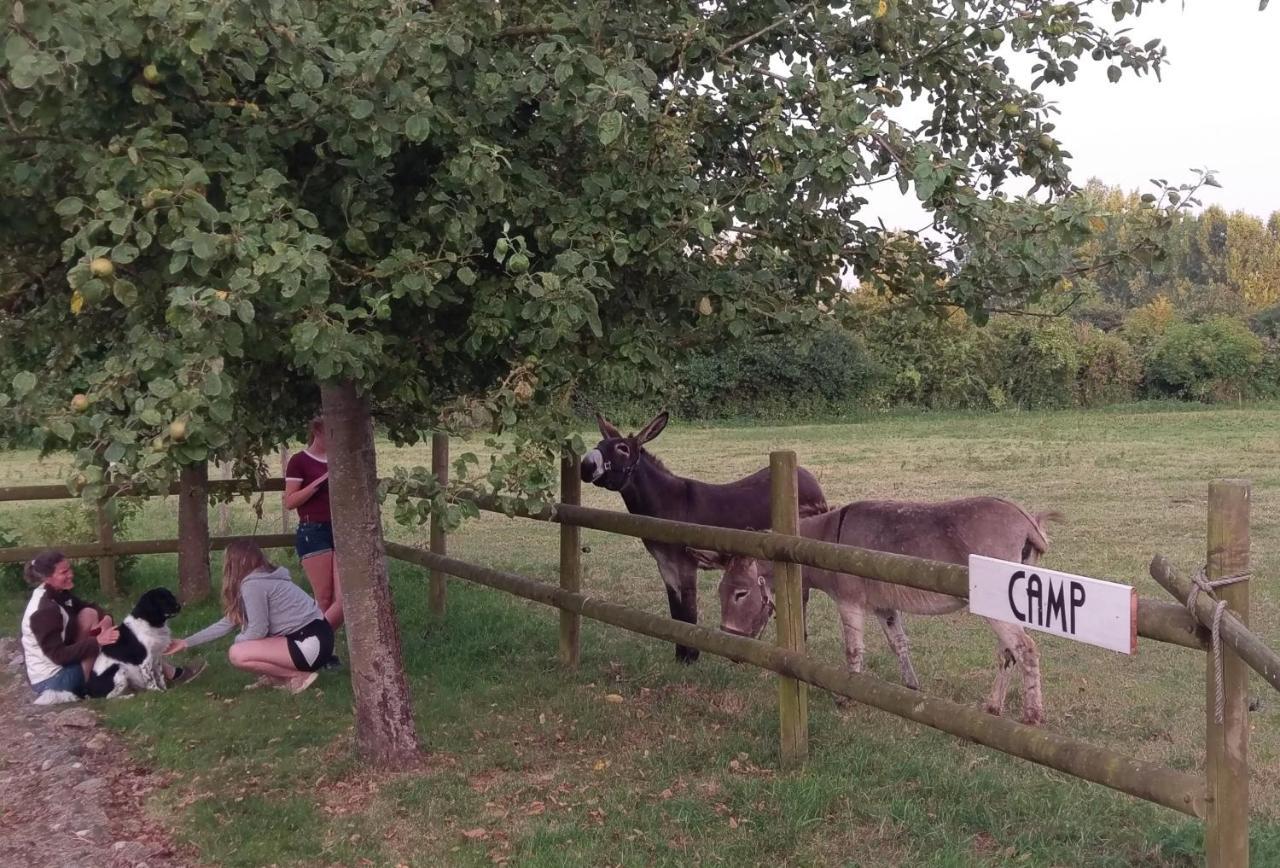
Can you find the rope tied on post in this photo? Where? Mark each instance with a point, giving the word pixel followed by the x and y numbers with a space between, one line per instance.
pixel 1200 582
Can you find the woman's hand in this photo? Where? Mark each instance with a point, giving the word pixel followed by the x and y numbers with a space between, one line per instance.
pixel 177 646
pixel 107 636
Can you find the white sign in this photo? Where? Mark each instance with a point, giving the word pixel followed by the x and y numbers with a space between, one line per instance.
pixel 1087 610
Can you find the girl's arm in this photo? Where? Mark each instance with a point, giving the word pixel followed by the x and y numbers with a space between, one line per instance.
pixel 216 630
pixel 296 494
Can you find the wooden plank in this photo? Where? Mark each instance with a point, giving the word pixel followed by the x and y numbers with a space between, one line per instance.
pixel 570 562
pixel 19 554
pixel 1226 835
pixel 793 694
pixel 1173 789
pixel 1157 619
pixel 439 542
pixel 15 493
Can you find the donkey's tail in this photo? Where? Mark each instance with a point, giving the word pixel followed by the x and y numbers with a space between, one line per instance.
pixel 1038 539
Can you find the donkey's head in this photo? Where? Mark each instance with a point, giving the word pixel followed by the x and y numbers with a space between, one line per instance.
pixel 746 591
pixel 616 457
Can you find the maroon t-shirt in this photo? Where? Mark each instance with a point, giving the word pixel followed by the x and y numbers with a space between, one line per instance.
pixel 305 468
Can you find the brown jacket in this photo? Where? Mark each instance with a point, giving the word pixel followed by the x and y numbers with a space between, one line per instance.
pixel 49 636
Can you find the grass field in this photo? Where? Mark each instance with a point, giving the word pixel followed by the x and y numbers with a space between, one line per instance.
pixel 529 764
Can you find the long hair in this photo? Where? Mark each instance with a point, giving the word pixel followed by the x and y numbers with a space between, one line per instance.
pixel 41 567
pixel 316 427
pixel 242 558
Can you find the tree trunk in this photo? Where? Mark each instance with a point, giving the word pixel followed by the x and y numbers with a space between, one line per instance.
pixel 384 715
pixel 193 533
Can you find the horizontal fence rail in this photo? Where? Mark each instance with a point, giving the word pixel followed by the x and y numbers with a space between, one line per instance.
pixel 19 554
pixel 1157 619
pixel 14 493
pixel 1173 789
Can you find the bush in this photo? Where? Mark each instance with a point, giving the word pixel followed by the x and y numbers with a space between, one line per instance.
pixel 75 523
pixel 933 361
pixel 1035 361
pixel 1208 361
pixel 11 574
pixel 1109 372
pixel 780 375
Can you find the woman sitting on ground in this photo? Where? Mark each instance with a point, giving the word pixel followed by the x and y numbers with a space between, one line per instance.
pixel 284 637
pixel 61 633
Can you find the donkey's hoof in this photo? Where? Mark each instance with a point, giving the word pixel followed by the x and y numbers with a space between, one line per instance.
pixel 843 703
pixel 685 655
pixel 1033 717
pixel 993 710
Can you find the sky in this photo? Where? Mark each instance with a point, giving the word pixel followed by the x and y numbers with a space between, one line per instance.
pixel 1217 107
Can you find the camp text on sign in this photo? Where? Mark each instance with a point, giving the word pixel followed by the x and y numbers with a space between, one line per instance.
pixel 1087 610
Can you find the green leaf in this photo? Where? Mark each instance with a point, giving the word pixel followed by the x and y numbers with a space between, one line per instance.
pixel 244 310
pixel 417 128
pixel 114 452
pixel 69 206
pixel 204 246
pixel 593 64
pixel 466 275
pixel 456 44
pixel 311 76
pixel 212 385
pixel 23 382
pixel 1113 73
pixel 125 292
pixel 610 127
pixel 361 109
pixel 162 389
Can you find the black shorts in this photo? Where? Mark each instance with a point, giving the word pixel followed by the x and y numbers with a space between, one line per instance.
pixel 311 646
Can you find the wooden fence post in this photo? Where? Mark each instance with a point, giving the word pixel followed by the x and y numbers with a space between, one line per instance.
pixel 793 695
pixel 439 544
pixel 570 560
pixel 193 532
pixel 1226 834
pixel 224 506
pixel 106 536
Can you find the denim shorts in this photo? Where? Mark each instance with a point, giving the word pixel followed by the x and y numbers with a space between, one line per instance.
pixel 313 538
pixel 70 679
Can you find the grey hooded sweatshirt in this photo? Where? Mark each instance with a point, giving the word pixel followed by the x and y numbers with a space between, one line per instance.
pixel 273 606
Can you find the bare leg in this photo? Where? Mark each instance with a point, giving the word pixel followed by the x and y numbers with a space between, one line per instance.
pixel 322 574
pixel 87 625
pixel 896 634
pixel 264 656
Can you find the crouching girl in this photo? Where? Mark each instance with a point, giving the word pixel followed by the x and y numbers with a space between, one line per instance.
pixel 284 637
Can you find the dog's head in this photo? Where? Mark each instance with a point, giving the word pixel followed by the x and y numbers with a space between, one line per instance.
pixel 157 606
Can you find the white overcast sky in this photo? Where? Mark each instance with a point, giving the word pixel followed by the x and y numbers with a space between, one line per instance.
pixel 1218 106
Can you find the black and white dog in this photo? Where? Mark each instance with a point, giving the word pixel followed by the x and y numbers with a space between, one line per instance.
pixel 136 659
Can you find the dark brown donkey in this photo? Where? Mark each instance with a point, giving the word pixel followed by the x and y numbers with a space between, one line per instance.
pixel 621 464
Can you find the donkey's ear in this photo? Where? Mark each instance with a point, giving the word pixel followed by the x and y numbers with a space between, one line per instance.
pixel 607 428
pixel 654 428
pixel 709 560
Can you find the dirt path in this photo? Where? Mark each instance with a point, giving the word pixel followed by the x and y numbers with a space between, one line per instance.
pixel 69 794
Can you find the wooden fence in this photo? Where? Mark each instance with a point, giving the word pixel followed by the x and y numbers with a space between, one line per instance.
pixel 1219 797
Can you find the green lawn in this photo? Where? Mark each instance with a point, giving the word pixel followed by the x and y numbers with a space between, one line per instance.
pixel 531 764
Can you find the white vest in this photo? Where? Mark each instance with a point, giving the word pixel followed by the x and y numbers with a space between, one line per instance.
pixel 39 667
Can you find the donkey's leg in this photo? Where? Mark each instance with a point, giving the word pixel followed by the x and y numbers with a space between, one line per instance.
pixel 1015 646
pixel 680 575
pixel 896 634
pixel 852 613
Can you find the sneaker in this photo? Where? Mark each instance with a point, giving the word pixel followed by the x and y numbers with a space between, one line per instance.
pixel 190 672
pixel 302 682
pixel 332 663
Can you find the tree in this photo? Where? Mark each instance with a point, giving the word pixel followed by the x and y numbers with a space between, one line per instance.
pixel 460 213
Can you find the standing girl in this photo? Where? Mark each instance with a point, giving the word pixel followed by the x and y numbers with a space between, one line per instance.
pixel 306 489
